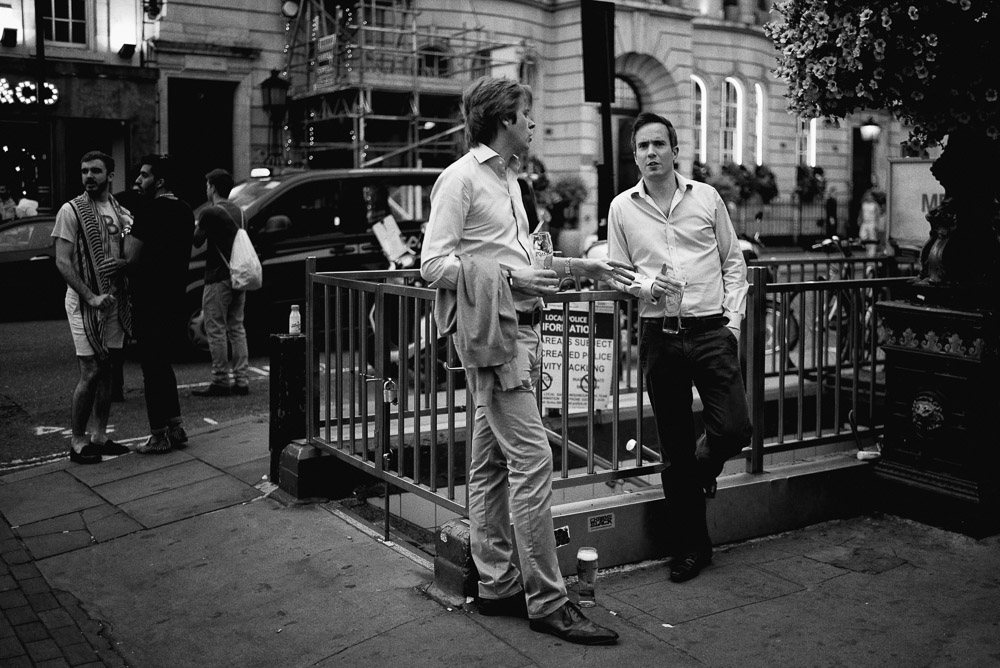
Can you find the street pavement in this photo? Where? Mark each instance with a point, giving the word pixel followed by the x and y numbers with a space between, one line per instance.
pixel 191 559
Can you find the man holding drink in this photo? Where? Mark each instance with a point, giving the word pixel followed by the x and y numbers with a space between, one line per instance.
pixel 478 239
pixel 692 287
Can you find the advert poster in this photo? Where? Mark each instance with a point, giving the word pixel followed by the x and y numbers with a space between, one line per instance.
pixel 581 384
pixel 913 192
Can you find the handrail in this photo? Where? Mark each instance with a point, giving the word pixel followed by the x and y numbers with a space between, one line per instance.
pixel 831 365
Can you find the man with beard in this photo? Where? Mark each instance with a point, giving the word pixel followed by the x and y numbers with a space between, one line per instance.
pixel 158 251
pixel 89 232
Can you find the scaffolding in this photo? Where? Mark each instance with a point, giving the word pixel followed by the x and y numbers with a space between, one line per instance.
pixel 373 84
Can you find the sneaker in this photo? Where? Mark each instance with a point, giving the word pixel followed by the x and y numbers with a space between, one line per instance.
pixel 156 444
pixel 177 436
pixel 213 390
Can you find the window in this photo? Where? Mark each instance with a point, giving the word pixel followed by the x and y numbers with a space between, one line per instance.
pixel 626 97
pixel 805 142
pixel 758 123
pixel 699 109
pixel 65 21
pixel 527 72
pixel 434 62
pixel 732 122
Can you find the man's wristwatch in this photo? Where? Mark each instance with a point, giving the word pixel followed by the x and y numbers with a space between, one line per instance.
pixel 568 267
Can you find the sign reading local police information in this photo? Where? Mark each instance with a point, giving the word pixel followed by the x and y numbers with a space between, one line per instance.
pixel 577 361
pixel 913 192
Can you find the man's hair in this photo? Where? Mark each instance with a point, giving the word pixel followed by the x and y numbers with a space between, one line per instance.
pixel 489 100
pixel 221 180
pixel 648 118
pixel 109 162
pixel 161 166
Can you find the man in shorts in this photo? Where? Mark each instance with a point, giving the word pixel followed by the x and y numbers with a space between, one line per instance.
pixel 90 232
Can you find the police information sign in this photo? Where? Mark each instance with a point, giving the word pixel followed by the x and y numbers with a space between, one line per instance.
pixel 578 360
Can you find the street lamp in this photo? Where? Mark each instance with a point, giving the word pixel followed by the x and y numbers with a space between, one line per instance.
pixel 274 100
pixel 870 130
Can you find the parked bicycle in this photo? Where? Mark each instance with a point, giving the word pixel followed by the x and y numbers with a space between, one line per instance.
pixel 851 312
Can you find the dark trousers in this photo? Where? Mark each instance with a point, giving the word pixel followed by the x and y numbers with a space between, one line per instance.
pixel 155 336
pixel 670 364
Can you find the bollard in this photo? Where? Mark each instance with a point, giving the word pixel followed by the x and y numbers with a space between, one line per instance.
pixel 288 395
pixel 455 574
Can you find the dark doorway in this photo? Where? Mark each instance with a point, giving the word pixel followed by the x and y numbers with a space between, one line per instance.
pixel 200 127
pixel 78 136
pixel 861 176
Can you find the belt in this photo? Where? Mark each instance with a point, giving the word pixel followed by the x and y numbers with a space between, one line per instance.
pixel 701 323
pixel 529 318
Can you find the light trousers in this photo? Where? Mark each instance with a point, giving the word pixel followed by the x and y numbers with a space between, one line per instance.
pixel 223 310
pixel 510 482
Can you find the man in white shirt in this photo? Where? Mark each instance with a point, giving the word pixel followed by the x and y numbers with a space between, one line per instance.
pixel 477 214
pixel 673 231
pixel 90 233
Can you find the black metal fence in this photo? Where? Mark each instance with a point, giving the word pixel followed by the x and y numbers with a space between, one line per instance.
pixel 787 219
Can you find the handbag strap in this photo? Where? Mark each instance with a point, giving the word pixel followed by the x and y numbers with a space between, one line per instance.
pixel 241 226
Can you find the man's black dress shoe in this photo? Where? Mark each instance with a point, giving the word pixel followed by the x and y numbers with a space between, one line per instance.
pixel 89 454
pixel 688 565
pixel 569 624
pixel 508 606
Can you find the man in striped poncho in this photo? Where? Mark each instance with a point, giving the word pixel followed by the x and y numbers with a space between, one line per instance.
pixel 90 233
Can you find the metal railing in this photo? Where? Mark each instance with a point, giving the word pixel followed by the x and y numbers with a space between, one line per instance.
pixel 393 400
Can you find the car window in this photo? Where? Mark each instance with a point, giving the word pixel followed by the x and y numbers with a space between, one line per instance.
pixel 29 236
pixel 317 208
pixel 403 202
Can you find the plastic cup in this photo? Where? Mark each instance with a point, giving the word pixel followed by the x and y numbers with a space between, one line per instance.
pixel 541 250
pixel 586 573
pixel 672 308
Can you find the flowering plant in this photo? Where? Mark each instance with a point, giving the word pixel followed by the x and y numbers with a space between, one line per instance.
pixel 930 62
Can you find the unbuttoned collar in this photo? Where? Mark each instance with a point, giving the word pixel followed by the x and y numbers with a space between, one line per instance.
pixel 639 190
pixel 486 155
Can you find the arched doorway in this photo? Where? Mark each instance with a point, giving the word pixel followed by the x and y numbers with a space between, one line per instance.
pixel 628 103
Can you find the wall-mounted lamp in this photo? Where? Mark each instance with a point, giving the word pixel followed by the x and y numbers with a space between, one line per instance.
pixel 274 100
pixel 9 37
pixel 127 51
pixel 870 130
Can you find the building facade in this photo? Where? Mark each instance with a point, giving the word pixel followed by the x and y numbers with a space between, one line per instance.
pixel 71 81
pixel 378 82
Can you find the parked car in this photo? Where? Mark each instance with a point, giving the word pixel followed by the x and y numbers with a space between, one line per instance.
pixel 33 287
pixel 325 213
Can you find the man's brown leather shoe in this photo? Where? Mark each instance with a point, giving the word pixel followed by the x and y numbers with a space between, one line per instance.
pixel 569 624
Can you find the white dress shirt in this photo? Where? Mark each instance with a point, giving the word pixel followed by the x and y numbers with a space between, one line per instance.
pixel 476 209
pixel 695 238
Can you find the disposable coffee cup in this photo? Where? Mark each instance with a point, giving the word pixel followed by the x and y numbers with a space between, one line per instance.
pixel 586 573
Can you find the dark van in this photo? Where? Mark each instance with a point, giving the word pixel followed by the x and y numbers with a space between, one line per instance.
pixel 325 213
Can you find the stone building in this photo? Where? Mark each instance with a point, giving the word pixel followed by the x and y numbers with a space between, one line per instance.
pixel 377 82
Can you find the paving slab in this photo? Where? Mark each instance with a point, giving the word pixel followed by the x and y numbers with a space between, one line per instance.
pixel 163 479
pixel 62 493
pixel 189 501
